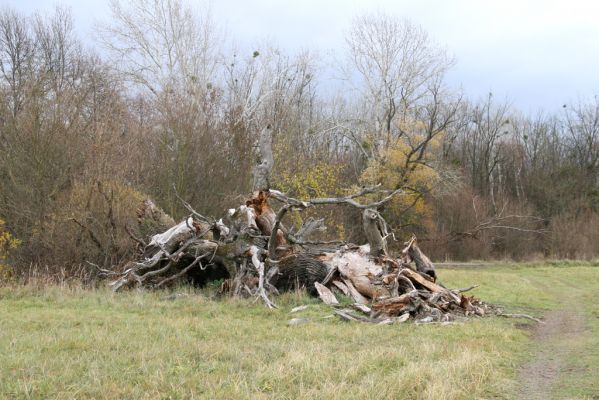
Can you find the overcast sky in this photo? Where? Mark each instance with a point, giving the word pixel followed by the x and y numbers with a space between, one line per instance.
pixel 537 54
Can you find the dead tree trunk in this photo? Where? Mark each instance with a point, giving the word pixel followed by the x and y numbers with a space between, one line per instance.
pixel 264 161
pixel 259 264
pixel 375 230
pixel 252 248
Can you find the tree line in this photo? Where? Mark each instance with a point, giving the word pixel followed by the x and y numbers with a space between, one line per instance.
pixel 164 106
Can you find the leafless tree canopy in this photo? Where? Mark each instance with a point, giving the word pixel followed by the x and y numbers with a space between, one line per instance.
pixel 172 110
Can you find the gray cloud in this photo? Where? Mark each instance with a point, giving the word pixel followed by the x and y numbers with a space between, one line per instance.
pixel 538 54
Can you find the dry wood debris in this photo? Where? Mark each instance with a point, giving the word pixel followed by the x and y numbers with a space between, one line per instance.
pixel 254 254
pixel 244 250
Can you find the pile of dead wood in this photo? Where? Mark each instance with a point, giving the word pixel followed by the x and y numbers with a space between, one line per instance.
pixel 255 255
pixel 386 290
pixel 252 251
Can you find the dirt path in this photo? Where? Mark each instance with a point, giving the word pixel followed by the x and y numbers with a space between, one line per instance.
pixel 538 377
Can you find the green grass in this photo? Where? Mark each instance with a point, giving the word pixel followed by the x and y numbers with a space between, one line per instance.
pixel 62 343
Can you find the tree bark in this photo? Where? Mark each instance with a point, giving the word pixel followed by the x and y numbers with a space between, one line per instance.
pixel 264 161
pixel 375 231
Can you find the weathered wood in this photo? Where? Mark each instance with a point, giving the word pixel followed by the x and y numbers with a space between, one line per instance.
pixel 348 316
pixel 168 241
pixel 264 214
pixel 291 203
pixel 357 296
pixel 463 290
pixel 264 161
pixel 341 286
pixel 359 269
pixel 299 308
pixel 376 233
pixel 397 305
pixel 249 242
pixel 254 253
pixel 433 287
pixel 415 276
pixel 326 295
pixel 330 274
pixel 423 263
pixel 361 307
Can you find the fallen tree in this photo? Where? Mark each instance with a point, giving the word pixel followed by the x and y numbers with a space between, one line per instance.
pixel 252 251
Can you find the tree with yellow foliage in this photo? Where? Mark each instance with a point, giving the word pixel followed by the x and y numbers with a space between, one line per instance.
pixel 7 244
pixel 408 162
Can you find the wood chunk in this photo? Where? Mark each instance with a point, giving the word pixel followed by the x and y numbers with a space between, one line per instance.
pixel 341 286
pixel 433 287
pixel 348 316
pixel 353 292
pixel 361 270
pixel 326 295
pixel 396 305
pixel 298 308
pixel 403 317
pixel 362 307
pixel 415 276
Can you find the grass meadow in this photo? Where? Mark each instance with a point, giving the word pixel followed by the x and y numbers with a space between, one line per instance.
pixel 69 342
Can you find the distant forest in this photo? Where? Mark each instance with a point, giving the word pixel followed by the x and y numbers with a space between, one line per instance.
pixel 165 106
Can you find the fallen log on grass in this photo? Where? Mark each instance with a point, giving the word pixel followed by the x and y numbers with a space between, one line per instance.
pixel 254 254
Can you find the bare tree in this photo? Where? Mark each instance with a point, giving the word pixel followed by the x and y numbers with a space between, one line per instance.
pixel 582 129
pixel 162 45
pixel 479 143
pixel 58 51
pixel 16 56
pixel 398 66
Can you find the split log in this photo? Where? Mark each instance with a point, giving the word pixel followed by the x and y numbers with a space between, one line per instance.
pixel 325 294
pixel 395 306
pixel 360 270
pixel 415 276
pixel 423 263
pixel 353 292
pixel 342 286
pixel 433 287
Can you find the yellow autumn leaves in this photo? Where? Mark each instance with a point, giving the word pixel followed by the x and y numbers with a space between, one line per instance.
pixel 402 165
pixel 7 244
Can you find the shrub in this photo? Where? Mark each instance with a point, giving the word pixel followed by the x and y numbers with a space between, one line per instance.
pixel 7 244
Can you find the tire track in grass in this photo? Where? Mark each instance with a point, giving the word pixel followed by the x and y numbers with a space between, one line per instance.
pixel 538 377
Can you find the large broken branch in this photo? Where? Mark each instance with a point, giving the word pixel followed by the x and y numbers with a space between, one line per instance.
pixel 248 249
pixel 299 204
pixel 374 225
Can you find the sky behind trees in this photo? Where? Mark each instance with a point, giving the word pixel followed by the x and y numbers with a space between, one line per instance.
pixel 536 54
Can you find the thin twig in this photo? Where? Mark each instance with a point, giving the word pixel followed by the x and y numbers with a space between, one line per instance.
pixel 465 289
